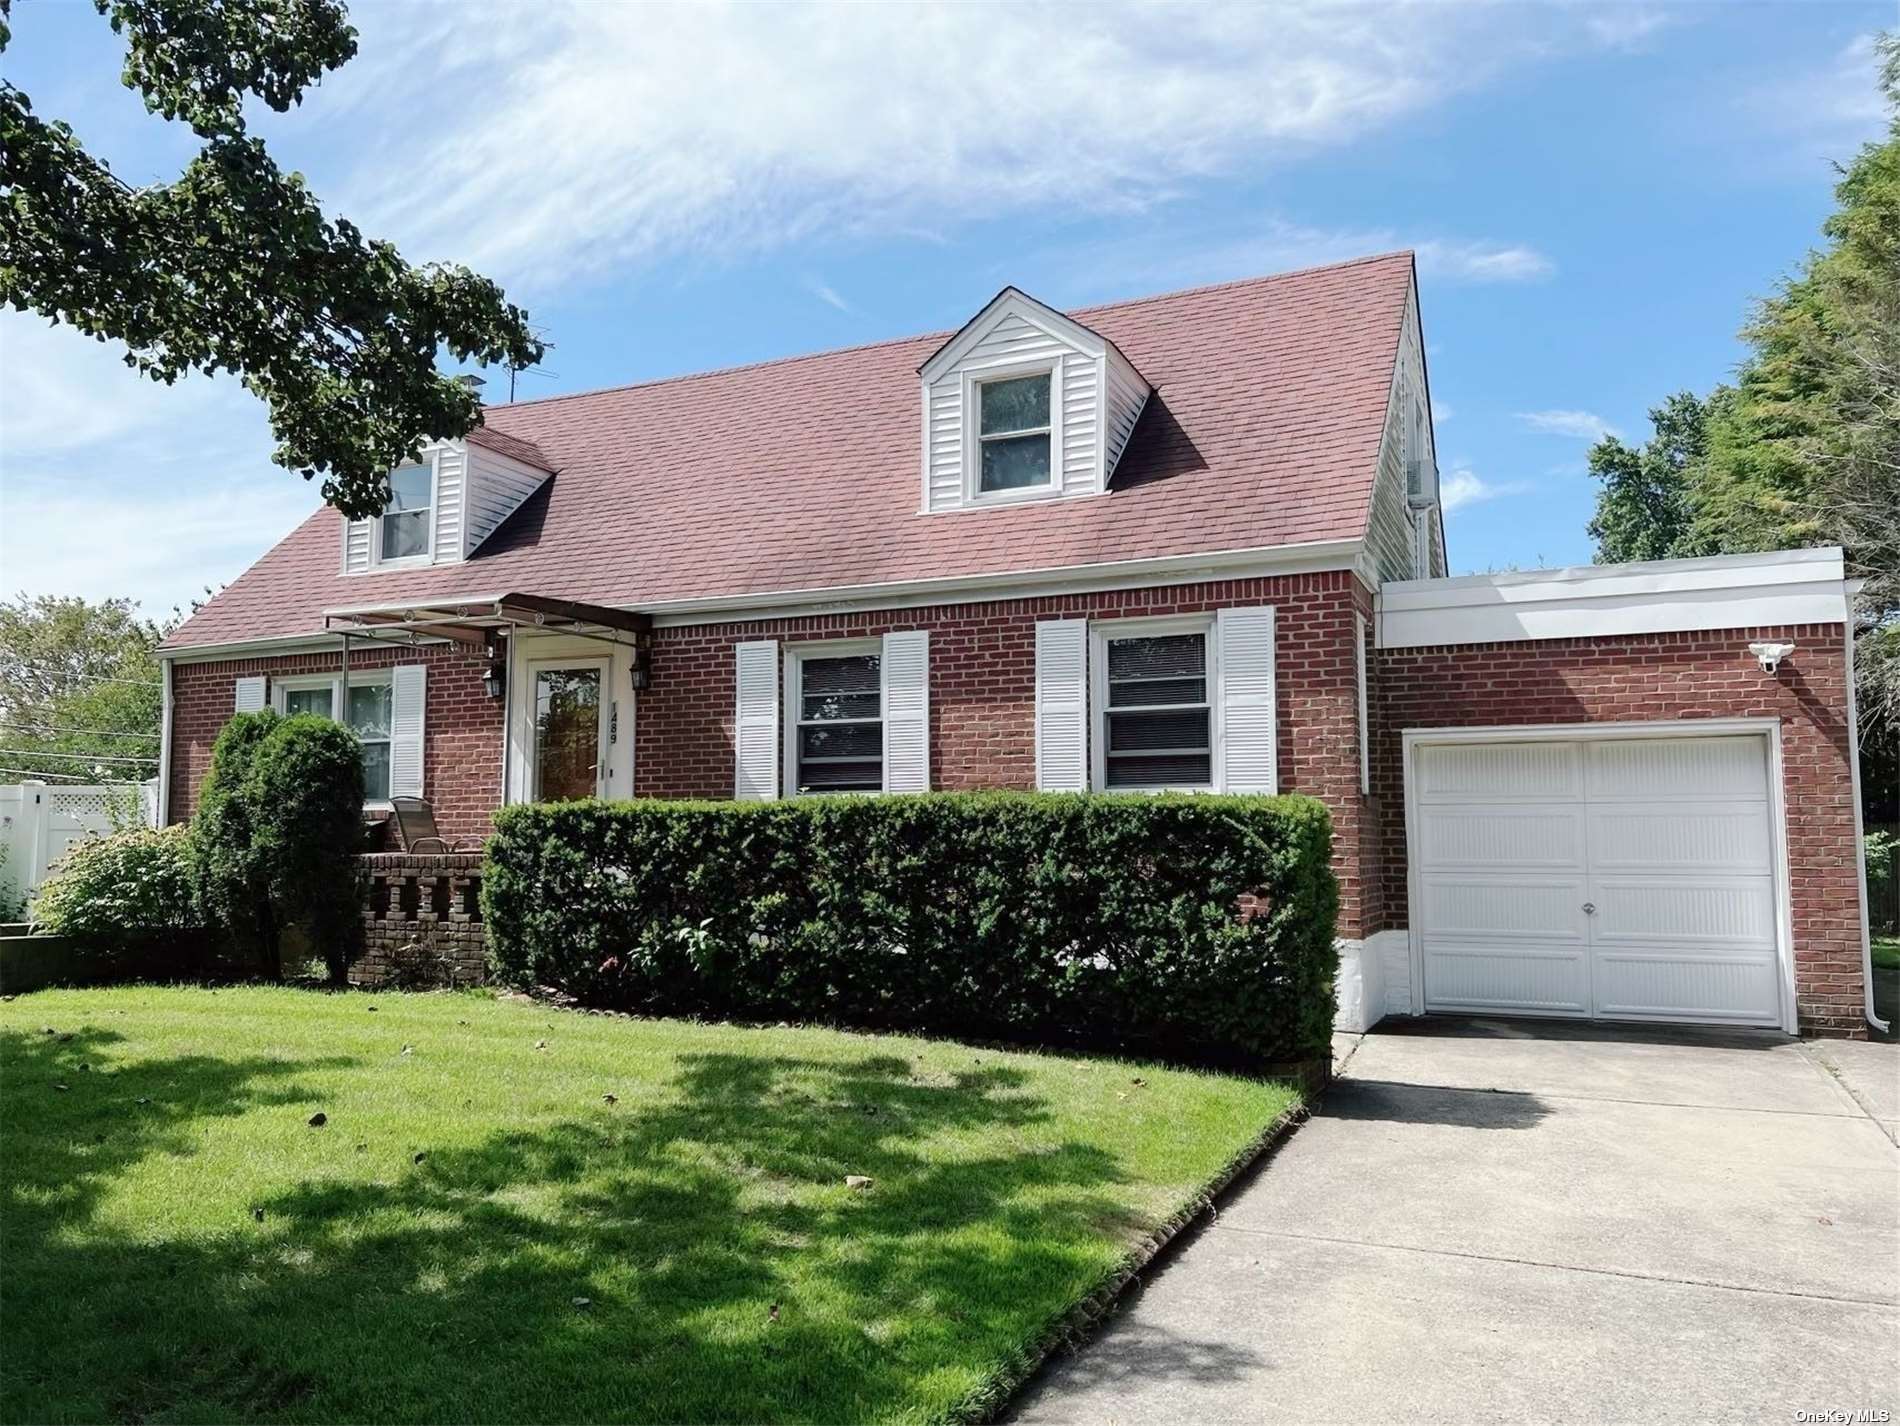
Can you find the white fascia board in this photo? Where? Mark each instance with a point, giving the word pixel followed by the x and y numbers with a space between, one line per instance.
pixel 1308 558
pixel 1595 601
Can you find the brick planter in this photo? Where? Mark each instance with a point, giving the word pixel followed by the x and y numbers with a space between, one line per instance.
pixel 422 920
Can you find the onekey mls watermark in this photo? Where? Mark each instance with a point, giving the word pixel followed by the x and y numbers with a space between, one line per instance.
pixel 1842 1416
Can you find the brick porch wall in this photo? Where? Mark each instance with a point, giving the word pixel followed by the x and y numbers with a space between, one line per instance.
pixel 422 922
pixel 461 725
pixel 982 693
pixel 1655 677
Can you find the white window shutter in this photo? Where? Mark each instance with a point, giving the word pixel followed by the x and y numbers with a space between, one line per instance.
pixel 250 694
pixel 755 720
pixel 906 666
pixel 407 691
pixel 1248 757
pixel 1062 705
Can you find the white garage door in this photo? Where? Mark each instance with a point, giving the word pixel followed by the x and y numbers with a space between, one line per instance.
pixel 1624 879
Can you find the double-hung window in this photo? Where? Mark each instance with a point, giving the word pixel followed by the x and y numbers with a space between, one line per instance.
pixel 1155 724
pixel 369 712
pixel 403 527
pixel 836 699
pixel 1014 433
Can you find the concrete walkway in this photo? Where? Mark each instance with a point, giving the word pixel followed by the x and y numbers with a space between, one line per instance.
pixel 1502 1221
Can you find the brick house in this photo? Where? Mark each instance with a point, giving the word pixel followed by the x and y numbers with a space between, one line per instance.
pixel 1191 541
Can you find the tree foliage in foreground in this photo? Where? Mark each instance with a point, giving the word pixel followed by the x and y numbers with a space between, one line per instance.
pixel 1804 447
pixel 233 266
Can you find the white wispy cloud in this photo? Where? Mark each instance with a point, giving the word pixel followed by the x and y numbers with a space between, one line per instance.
pixel 827 294
pixel 113 484
pixel 1580 425
pixel 1836 104
pixel 1171 255
pixel 1464 486
pixel 1441 413
pixel 1626 26
pixel 570 139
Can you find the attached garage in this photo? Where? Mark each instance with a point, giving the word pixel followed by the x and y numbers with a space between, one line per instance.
pixel 1625 874
pixel 1626 793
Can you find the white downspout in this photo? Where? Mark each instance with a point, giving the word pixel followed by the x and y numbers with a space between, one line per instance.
pixel 165 742
pixel 1860 846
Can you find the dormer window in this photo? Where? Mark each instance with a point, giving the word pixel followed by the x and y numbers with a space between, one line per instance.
pixel 403 527
pixel 1024 404
pixel 1013 433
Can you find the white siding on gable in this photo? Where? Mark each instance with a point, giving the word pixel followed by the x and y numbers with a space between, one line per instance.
pixel 1127 394
pixel 1393 534
pixel 1081 420
pixel 356 547
pixel 496 488
pixel 475 490
pixel 1092 419
pixel 451 463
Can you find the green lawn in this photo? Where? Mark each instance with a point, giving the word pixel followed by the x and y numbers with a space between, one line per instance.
pixel 517 1214
pixel 1887 952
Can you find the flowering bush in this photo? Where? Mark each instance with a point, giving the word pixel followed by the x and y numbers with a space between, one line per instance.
pixel 119 891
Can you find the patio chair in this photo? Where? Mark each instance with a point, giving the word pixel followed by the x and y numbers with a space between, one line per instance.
pixel 415 826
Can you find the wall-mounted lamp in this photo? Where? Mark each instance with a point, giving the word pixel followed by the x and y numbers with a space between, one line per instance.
pixel 495 676
pixel 1769 655
pixel 642 662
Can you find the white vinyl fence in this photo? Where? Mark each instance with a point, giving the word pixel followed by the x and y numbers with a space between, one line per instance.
pixel 40 820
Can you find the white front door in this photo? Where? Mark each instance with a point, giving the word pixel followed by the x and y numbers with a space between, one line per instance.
pixel 568 703
pixel 1628 878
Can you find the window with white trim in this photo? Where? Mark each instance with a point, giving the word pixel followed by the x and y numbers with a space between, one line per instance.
pixel 1154 717
pixel 403 529
pixel 835 718
pixel 370 715
pixel 1014 433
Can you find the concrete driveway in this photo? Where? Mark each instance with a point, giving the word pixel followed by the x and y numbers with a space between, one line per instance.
pixel 1496 1220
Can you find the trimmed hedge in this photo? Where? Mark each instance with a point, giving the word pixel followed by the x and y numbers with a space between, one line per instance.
pixel 1195 928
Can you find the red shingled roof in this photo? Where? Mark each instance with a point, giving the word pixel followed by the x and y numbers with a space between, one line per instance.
pixel 801 474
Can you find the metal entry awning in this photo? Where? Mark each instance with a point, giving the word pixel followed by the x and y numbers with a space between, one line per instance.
pixel 476 619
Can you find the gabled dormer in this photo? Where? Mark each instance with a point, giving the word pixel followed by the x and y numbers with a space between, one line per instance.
pixel 1024 403
pixel 443 506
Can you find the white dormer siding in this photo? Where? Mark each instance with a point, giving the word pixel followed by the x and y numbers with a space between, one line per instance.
pixel 451 482
pixel 1095 396
pixel 474 489
pixel 497 487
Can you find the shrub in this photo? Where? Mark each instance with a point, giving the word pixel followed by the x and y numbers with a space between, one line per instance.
pixel 1882 851
pixel 277 831
pixel 1194 927
pixel 232 884
pixel 121 891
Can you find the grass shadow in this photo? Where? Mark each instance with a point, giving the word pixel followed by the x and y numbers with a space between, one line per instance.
pixel 693 1256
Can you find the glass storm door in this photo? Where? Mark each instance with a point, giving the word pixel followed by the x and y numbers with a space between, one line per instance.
pixel 570 745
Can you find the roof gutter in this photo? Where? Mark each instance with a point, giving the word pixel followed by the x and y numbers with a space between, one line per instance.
pixel 1307 557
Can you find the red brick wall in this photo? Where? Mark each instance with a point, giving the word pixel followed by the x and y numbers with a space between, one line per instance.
pixel 982 702
pixel 1648 678
pixel 461 726
pixel 982 692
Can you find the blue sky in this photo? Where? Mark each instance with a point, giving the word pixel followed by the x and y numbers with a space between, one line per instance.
pixel 1596 192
